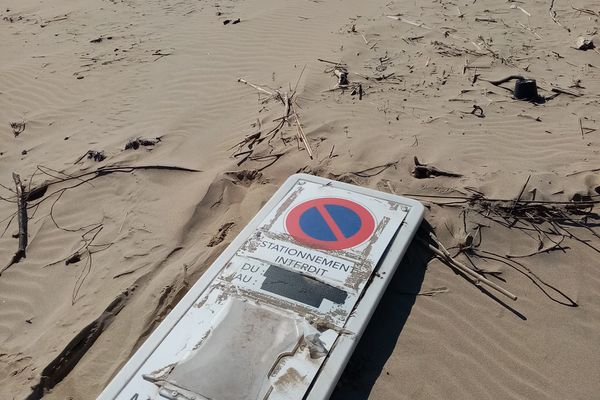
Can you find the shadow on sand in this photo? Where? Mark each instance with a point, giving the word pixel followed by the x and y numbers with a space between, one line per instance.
pixel 381 335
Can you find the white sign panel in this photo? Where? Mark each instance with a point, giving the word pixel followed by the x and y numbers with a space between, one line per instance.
pixel 281 300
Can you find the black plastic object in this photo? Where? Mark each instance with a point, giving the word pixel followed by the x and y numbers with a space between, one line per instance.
pixel 526 89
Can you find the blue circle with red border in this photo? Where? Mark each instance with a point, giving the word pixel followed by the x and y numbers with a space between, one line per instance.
pixel 330 223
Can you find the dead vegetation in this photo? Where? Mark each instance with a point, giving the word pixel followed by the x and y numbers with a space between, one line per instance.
pixel 17 127
pixel 134 144
pixel 31 197
pixel 95 155
pixel 550 225
pixel 258 146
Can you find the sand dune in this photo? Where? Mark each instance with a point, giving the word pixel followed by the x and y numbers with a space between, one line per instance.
pixel 93 75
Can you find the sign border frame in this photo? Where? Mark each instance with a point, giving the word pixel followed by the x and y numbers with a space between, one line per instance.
pixel 332 368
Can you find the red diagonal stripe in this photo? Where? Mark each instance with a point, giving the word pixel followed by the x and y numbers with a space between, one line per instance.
pixel 330 222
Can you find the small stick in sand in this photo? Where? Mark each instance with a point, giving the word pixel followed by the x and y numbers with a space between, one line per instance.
pixel 581 172
pixel 553 15
pixel 329 62
pixel 22 220
pixel 256 87
pixel 55 19
pixel 374 171
pixel 298 81
pixel 390 187
pixel 565 91
pixel 550 247
pixel 514 6
pixel 586 11
pixel 286 104
pixel 478 278
pixel 358 90
pixel 512 208
pixel 303 137
pixel 22 212
pixel 534 33
pixel 331 155
pixel 460 14
pixel 407 21
pixel 584 130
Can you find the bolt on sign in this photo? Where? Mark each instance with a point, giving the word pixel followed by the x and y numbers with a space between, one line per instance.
pixel 278 314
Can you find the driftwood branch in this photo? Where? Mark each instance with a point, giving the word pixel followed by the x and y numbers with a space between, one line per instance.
pixel 22 219
pixel 22 213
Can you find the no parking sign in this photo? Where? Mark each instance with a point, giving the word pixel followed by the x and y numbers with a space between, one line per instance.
pixel 330 223
pixel 277 316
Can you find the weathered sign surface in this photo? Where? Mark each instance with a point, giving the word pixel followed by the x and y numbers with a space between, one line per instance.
pixel 276 305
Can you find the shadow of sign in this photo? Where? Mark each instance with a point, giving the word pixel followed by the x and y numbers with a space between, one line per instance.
pixel 380 337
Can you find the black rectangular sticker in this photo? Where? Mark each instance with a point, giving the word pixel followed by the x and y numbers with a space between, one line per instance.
pixel 300 288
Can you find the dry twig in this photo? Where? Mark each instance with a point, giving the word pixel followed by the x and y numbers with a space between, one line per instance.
pixel 22 219
pixel 477 278
pixel 374 171
pixel 260 89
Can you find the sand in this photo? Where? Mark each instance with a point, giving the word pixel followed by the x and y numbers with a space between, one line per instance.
pixel 93 75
